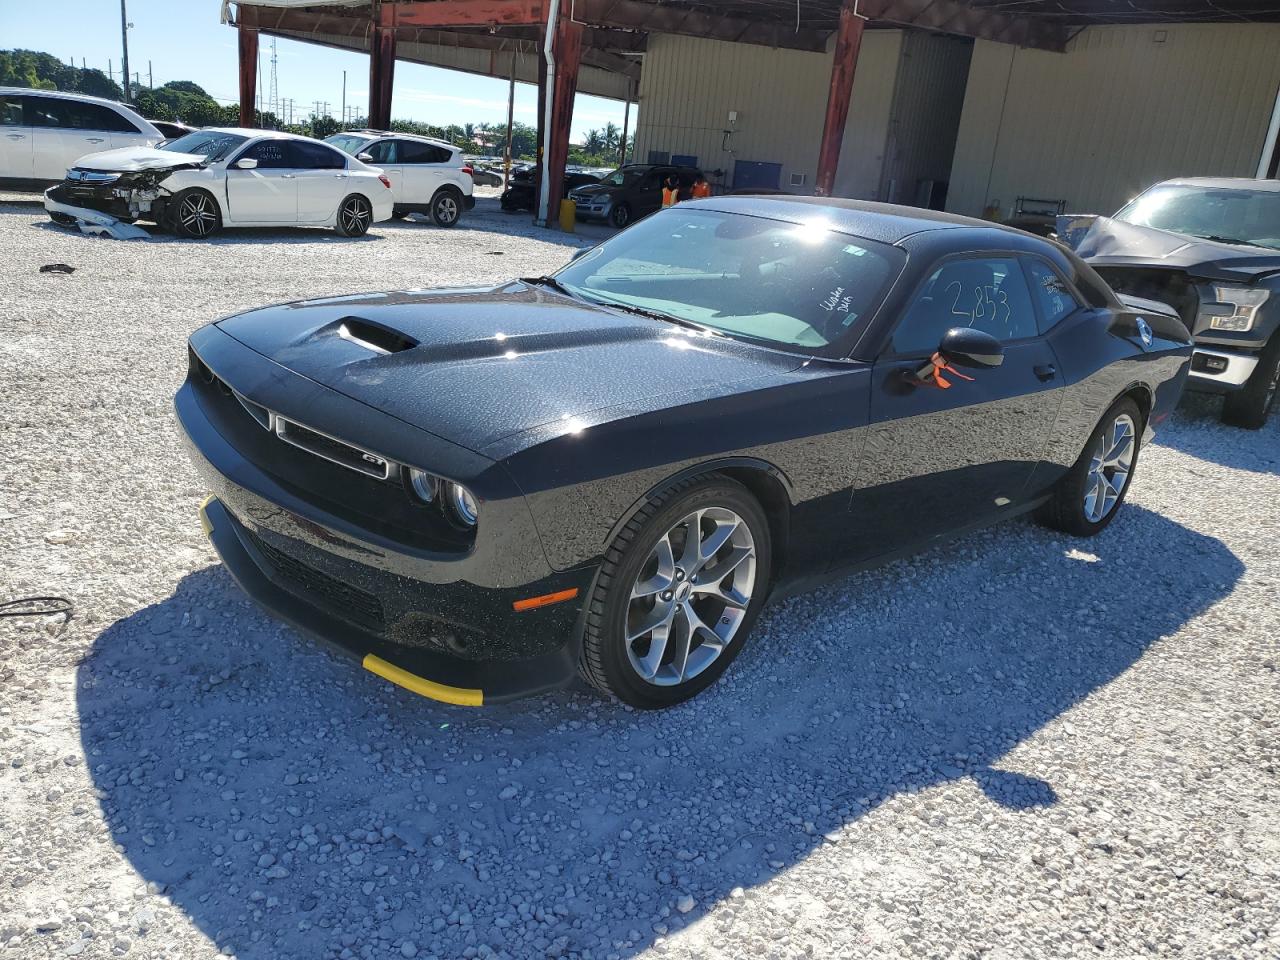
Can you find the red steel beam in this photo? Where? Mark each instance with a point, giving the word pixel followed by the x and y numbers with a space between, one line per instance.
pixel 382 68
pixel 465 13
pixel 248 45
pixel 848 42
pixel 568 54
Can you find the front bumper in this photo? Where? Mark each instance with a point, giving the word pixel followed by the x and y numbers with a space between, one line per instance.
pixel 1220 371
pixel 588 210
pixel 90 219
pixel 273 583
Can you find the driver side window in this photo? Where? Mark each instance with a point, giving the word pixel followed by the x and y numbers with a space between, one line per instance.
pixel 987 293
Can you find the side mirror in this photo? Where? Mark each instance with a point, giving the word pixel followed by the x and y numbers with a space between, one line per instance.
pixel 365 157
pixel 246 163
pixel 967 347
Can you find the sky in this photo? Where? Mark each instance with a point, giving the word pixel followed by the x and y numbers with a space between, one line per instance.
pixel 185 40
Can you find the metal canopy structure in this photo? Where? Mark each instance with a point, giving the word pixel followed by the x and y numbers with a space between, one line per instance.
pixel 597 46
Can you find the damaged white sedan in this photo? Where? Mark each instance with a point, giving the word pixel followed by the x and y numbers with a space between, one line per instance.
pixel 222 177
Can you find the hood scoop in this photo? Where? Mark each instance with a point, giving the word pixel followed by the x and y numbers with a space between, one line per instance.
pixel 374 337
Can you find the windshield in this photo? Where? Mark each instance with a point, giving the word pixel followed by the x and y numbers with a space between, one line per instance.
pixel 622 178
pixel 795 285
pixel 348 143
pixel 1228 215
pixel 209 144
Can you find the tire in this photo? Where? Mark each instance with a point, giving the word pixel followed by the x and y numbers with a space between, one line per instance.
pixel 355 216
pixel 446 207
pixel 620 215
pixel 636 670
pixel 1248 407
pixel 1088 498
pixel 193 214
pixel 399 214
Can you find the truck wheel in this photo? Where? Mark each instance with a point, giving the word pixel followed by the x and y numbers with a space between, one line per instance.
pixel 677 594
pixel 1248 408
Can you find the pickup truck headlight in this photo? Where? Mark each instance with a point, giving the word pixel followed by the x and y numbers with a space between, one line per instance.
pixel 1245 302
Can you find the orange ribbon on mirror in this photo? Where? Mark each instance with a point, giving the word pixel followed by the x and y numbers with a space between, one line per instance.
pixel 933 371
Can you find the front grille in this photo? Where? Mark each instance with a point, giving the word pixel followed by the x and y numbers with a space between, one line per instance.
pixel 322 445
pixel 345 600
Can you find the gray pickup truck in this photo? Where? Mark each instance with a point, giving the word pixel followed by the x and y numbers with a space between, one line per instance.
pixel 1209 248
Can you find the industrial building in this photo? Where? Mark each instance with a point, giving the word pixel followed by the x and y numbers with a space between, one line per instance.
pixel 968 106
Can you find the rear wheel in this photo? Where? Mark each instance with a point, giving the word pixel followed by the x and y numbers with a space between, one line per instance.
pixel 446 207
pixel 678 593
pixel 193 214
pixel 1088 498
pixel 355 214
pixel 1249 406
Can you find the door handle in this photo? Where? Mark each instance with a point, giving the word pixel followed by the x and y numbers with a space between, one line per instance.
pixel 341 176
pixel 95 139
pixel 17 136
pixel 1046 371
pixel 286 176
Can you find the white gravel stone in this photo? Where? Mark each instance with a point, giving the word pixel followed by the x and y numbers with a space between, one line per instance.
pixel 1018 746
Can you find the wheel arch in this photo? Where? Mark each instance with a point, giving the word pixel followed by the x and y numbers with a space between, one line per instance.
pixel 1141 394
pixel 763 480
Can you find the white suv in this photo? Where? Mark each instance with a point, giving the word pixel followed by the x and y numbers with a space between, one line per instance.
pixel 427 176
pixel 44 132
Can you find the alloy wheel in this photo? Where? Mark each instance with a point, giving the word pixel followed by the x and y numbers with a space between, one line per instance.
pixel 1109 468
pixel 356 216
pixel 197 215
pixel 690 596
pixel 447 209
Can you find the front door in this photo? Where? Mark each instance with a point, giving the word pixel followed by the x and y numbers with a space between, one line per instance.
pixel 269 192
pixel 939 458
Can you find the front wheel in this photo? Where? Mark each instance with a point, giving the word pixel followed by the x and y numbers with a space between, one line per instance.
pixel 193 214
pixel 677 594
pixel 1088 498
pixel 1249 406
pixel 446 208
pixel 620 215
pixel 355 214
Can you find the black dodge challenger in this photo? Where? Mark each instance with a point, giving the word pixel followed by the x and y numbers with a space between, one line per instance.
pixel 483 493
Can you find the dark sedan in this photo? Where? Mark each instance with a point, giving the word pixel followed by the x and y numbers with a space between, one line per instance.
pixel 605 473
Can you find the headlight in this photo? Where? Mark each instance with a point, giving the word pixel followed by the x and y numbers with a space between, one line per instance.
pixel 424 485
pixel 463 505
pixel 1245 302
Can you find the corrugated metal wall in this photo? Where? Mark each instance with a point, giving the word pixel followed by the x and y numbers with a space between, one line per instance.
pixel 926 114
pixel 1124 107
pixel 689 85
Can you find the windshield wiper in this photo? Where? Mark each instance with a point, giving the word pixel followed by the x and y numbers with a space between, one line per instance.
pixel 1234 241
pixel 550 282
pixel 652 314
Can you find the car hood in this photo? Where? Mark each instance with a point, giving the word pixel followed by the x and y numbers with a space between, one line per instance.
pixel 477 366
pixel 1106 242
pixel 134 159
pixel 594 189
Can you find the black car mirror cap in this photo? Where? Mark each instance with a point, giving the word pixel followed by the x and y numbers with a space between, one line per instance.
pixel 580 253
pixel 967 347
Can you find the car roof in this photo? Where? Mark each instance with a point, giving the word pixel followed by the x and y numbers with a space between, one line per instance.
pixel 379 134
pixel 886 222
pixel 251 132
pixel 1229 183
pixel 66 95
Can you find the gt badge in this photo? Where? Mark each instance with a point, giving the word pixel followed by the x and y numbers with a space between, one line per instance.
pixel 1144 331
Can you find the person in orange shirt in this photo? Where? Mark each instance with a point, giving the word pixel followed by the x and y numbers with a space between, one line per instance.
pixel 701 188
pixel 671 192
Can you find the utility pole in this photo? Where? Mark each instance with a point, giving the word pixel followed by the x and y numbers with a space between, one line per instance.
pixel 124 43
pixel 151 77
pixel 344 99
pixel 273 95
pixel 111 70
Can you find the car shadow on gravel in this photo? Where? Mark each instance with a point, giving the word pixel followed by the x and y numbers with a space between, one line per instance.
pixel 295 806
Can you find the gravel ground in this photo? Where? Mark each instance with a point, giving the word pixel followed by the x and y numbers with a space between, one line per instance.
pixel 1020 747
